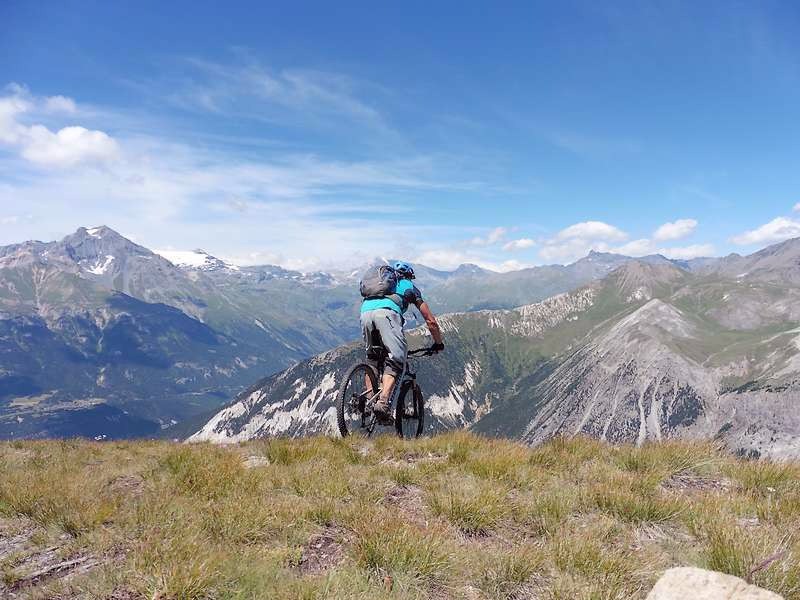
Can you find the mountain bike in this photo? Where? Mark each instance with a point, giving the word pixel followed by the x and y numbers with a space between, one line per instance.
pixel 359 393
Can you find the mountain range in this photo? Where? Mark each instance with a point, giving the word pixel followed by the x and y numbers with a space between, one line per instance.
pixel 647 350
pixel 102 337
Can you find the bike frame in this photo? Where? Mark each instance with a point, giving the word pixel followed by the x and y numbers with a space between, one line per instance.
pixel 407 375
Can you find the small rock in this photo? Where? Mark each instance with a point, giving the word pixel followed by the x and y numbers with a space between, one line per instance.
pixel 683 583
pixel 251 462
pixel 748 522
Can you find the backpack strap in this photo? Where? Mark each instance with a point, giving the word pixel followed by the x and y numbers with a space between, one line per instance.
pixel 397 299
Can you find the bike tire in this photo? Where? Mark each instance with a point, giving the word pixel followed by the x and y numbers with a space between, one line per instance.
pixel 410 392
pixel 344 400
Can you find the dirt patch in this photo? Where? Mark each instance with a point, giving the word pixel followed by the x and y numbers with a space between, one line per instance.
pixel 687 482
pixel 127 485
pixel 324 551
pixel 409 501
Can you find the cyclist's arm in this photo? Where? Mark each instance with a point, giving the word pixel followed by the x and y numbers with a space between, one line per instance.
pixel 430 321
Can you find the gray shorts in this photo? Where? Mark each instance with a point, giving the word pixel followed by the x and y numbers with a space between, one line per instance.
pixel 388 324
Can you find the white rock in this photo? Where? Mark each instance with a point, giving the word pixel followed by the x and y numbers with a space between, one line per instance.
pixel 253 462
pixel 689 583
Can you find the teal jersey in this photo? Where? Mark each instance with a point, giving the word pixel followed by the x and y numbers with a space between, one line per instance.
pixel 405 289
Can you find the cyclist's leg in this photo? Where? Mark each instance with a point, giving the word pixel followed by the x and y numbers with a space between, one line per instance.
pixel 390 327
pixel 369 332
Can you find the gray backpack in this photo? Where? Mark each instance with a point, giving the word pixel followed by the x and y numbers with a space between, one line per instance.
pixel 381 282
pixel 378 282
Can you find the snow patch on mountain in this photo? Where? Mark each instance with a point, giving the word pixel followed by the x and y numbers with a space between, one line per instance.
pixel 447 324
pixel 639 293
pixel 214 430
pixel 304 413
pixel 451 407
pixel 495 322
pixel 101 266
pixel 196 259
pixel 274 418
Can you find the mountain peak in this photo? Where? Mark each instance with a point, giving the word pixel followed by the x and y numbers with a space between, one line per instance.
pixel 469 268
pixel 643 280
pixel 596 254
pixel 98 231
pixel 102 240
pixel 790 246
pixel 102 232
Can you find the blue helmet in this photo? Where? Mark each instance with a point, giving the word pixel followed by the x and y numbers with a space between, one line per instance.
pixel 404 269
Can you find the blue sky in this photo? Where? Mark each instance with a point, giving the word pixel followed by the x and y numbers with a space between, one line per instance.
pixel 322 134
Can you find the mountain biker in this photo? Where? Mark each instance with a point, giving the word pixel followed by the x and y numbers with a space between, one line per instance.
pixel 384 317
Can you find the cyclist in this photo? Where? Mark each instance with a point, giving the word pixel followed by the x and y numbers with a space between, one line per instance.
pixel 384 317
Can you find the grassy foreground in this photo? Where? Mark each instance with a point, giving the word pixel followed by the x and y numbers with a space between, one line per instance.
pixel 454 516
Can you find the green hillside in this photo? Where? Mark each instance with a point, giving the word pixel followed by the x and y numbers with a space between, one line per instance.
pixel 452 516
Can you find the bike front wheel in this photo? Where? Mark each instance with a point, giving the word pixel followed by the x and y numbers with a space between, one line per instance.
pixel 359 385
pixel 409 414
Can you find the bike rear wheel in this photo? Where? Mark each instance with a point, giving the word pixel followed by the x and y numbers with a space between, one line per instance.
pixel 409 414
pixel 359 385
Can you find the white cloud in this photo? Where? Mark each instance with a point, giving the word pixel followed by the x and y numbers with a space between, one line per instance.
pixel 10 107
pixel 60 104
pixel 520 244
pixel 796 207
pixel 495 236
pixel 508 265
pixel 297 210
pixel 675 231
pixel 68 147
pixel 448 259
pixel 576 241
pixel 688 252
pixel 38 144
pixel 15 219
pixel 249 88
pixel 571 250
pixel 776 230
pixel 592 230
pixel 641 247
pixel 444 258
